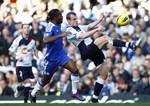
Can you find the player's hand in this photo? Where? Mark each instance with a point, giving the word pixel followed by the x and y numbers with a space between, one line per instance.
pixel 65 34
pixel 100 29
pixel 102 19
pixel 20 59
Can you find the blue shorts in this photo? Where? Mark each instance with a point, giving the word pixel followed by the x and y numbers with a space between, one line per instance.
pixel 52 65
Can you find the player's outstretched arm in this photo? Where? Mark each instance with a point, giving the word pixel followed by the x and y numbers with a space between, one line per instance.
pixel 53 38
pixel 90 33
pixel 99 21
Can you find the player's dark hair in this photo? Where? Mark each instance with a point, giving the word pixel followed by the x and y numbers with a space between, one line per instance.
pixel 53 13
pixel 69 14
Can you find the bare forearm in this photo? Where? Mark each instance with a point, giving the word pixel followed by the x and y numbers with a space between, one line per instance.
pixel 100 21
pixel 51 39
pixel 93 24
pixel 86 34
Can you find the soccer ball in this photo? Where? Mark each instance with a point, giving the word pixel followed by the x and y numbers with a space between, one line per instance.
pixel 123 19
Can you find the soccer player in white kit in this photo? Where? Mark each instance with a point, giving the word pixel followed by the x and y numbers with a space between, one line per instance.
pixel 89 42
pixel 23 49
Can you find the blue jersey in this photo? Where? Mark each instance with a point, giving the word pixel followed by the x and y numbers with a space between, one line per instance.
pixel 55 49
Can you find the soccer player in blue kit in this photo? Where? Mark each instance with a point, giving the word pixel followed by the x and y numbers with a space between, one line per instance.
pixel 56 56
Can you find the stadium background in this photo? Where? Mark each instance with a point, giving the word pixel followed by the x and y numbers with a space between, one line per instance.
pixel 130 71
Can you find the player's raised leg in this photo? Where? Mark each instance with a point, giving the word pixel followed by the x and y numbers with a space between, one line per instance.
pixel 102 40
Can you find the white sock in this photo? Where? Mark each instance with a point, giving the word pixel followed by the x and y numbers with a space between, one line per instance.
pixel 95 97
pixel 110 41
pixel 36 88
pixel 100 80
pixel 127 44
pixel 75 82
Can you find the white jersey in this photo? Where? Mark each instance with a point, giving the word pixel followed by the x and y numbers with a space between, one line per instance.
pixel 76 31
pixel 23 49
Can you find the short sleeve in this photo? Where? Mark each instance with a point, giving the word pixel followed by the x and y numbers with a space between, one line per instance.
pixel 13 46
pixel 32 44
pixel 63 27
pixel 84 27
pixel 48 30
pixel 72 30
pixel 73 33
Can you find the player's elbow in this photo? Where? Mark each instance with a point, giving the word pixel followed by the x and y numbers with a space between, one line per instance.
pixel 45 40
pixel 90 26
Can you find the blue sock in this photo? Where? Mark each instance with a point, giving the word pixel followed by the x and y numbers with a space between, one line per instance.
pixel 119 43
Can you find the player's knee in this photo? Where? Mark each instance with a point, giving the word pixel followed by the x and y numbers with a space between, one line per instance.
pixel 104 75
pixel 101 41
pixel 46 79
pixel 71 66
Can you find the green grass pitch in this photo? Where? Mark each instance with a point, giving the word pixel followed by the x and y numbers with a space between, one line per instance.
pixel 87 104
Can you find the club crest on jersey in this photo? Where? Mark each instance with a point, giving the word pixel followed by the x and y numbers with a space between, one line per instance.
pixel 24 50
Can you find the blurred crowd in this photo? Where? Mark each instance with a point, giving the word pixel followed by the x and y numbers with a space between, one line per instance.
pixel 129 70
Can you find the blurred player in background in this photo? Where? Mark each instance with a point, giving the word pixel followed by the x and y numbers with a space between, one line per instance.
pixel 22 49
pixel 89 40
pixel 56 56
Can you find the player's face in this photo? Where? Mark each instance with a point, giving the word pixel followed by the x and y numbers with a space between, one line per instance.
pixel 73 21
pixel 25 29
pixel 59 18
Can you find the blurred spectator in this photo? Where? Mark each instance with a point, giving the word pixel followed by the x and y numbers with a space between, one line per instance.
pixel 11 79
pixel 37 35
pixel 143 86
pixel 127 64
pixel 139 34
pixel 136 77
pixel 4 89
pixel 7 39
pixel 138 59
pixel 146 47
pixel 86 86
pixel 18 26
pixel 62 84
pixel 110 87
pixel 147 65
pixel 125 78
